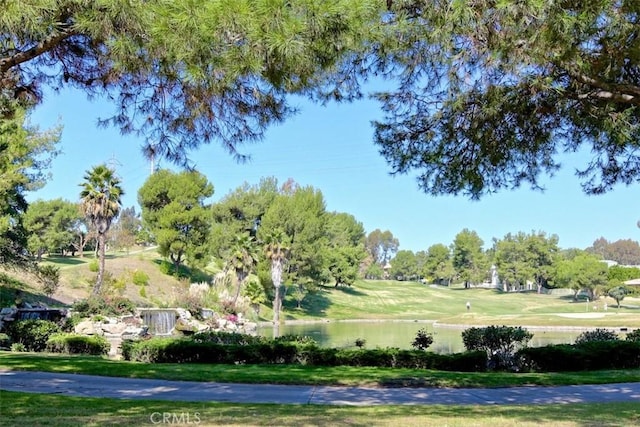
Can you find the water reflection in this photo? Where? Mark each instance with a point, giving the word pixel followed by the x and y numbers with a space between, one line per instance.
pixel 398 334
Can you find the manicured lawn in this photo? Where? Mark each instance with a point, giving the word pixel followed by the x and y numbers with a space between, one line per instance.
pixel 59 411
pixel 412 300
pixel 311 375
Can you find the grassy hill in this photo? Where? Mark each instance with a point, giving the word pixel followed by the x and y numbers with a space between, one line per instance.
pixel 379 300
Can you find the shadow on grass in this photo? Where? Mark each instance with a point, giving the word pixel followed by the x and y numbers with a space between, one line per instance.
pixel 195 275
pixel 349 290
pixel 314 304
pixel 66 260
pixel 12 289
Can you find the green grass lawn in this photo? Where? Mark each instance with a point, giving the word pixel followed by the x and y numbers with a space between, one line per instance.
pixel 412 300
pixel 60 411
pixel 297 374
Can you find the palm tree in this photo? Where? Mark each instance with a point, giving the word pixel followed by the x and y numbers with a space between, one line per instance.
pixel 277 252
pixel 100 203
pixel 241 260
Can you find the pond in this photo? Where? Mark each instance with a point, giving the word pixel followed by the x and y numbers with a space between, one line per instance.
pixel 399 334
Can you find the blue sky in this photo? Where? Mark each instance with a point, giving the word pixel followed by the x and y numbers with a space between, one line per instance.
pixel 331 149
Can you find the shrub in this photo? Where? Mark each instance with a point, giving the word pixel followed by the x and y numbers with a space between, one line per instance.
pixel 77 344
pixel 360 342
pixel 33 334
pixel 49 276
pixel 107 306
pixel 422 340
pixel 633 336
pixel 140 278
pixel 93 266
pixel 598 334
pixel 190 350
pixel 18 347
pixel 227 338
pixel 5 342
pixel 500 343
pixel 594 355
pixel 70 322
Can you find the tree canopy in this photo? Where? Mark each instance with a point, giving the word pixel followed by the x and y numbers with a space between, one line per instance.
pixel 24 155
pixel 173 208
pixel 180 73
pixel 490 93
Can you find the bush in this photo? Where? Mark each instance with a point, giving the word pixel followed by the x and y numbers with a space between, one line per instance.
pixel 33 334
pixel 227 338
pixel 5 342
pixel 140 278
pixel 18 347
pixel 633 336
pixel 70 322
pixel 107 306
pixel 499 342
pixel 597 335
pixel 594 355
pixel 49 276
pixel 190 350
pixel 422 340
pixel 93 266
pixel 77 344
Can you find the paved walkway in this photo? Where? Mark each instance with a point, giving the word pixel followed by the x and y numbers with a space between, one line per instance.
pixel 129 388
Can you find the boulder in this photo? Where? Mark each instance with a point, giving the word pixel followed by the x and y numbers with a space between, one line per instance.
pixel 87 327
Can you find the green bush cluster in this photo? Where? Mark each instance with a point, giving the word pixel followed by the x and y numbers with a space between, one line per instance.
pixel 597 334
pixel 93 266
pixel 77 344
pixel 33 334
pixel 588 356
pixel 140 278
pixel 633 336
pixel 108 306
pixel 5 342
pixel 499 342
pixel 188 350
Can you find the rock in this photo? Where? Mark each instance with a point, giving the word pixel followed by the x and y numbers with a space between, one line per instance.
pixel 114 328
pixel 87 327
pixel 183 314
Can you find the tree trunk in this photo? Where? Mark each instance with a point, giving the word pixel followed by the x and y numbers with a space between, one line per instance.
pixel 276 305
pixel 101 257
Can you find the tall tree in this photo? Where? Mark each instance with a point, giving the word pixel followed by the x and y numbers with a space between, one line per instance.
pixel 240 211
pixel 24 156
pixel 469 260
pixel 50 225
pixel 181 73
pixel 382 245
pixel 490 93
pixel 173 208
pixel 623 251
pixel 404 265
pixel 126 229
pixel 438 266
pixel 584 272
pixel 100 202
pixel 345 247
pixel 302 217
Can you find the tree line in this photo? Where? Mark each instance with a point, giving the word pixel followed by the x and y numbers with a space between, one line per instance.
pixel 520 261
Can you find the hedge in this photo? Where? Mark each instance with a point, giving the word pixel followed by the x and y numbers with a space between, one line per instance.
pixel 582 357
pixel 186 350
pixel 77 344
pixel 32 333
